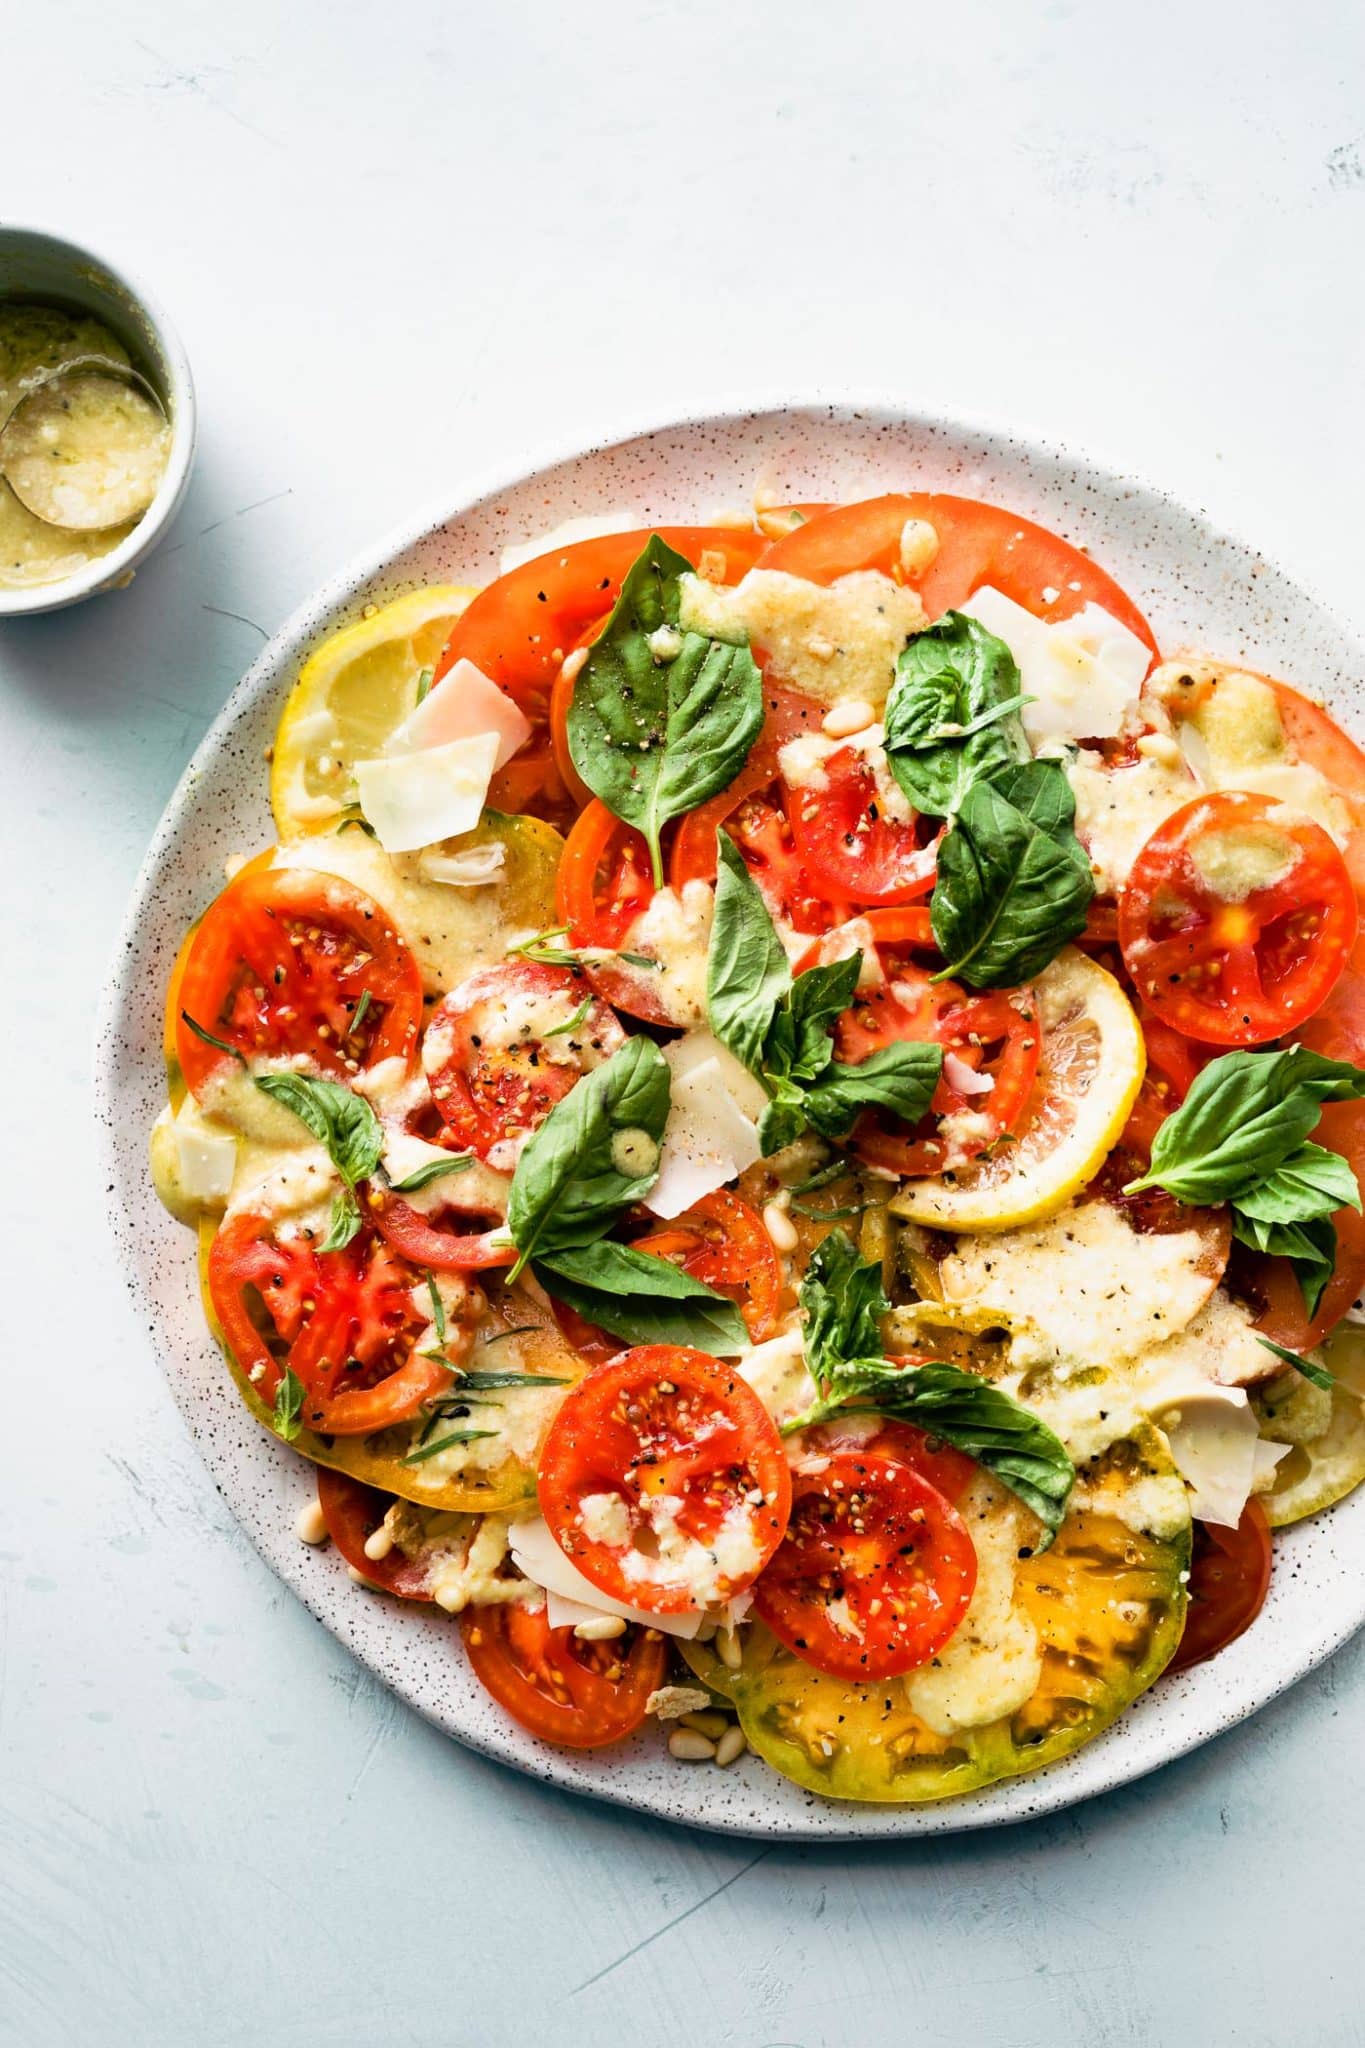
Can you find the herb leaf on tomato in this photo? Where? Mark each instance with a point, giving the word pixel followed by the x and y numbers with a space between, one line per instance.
pixel 780 1025
pixel 952 718
pixel 346 1126
pixel 434 1169
pixel 661 718
pixel 288 1412
pixel 1311 1370
pixel 843 1302
pixel 1013 881
pixel 643 1299
pixel 1241 1137
pixel 596 1152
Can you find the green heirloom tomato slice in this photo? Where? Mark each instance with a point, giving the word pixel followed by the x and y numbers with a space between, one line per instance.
pixel 1107 1605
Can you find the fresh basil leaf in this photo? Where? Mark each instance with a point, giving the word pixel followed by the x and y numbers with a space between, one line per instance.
pixel 344 1123
pixel 1009 894
pixel 782 1122
pixel 1245 1115
pixel 444 1443
pixel 343 1222
pixel 655 733
pixel 218 1044
pixel 899 1078
pixel 641 1299
pixel 434 1169
pixel 1012 1443
pixel 1041 793
pixel 843 1301
pixel 1310 1182
pixel 1316 1374
pixel 952 715
pixel 474 1383
pixel 799 1046
pixel 1310 1247
pixel 747 973
pixel 289 1406
pixel 596 1151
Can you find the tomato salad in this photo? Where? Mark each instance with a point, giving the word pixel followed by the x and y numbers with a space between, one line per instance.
pixel 783 1126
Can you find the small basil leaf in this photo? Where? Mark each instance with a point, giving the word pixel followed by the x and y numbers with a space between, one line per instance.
pixel 1009 895
pixel 818 999
pixel 1310 1182
pixel 654 733
pixel 1310 1247
pixel 844 1302
pixel 899 1078
pixel 435 1169
pixel 288 1406
pixel 782 1122
pixel 641 1299
pixel 344 1123
pixel 343 1223
pixel 952 715
pixel 596 1151
pixel 1317 1374
pixel 747 974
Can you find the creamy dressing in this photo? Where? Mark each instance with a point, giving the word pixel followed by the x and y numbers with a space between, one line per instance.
pixel 829 640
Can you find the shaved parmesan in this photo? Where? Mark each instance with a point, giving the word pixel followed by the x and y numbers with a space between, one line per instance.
pixel 463 705
pixel 1213 1435
pixel 471 867
pixel 536 1553
pixel 1083 673
pixel 964 1078
pixel 412 800
pixel 205 1155
pixel 709 1138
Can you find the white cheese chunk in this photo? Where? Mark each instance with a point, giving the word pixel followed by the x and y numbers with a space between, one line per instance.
pixel 412 800
pixel 463 705
pixel 710 1136
pixel 205 1155
pixel 470 867
pixel 1083 673
pixel 536 1553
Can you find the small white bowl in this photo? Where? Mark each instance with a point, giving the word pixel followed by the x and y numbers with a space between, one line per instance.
pixel 35 265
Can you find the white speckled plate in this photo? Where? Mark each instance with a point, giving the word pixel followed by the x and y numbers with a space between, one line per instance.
pixel 1199 589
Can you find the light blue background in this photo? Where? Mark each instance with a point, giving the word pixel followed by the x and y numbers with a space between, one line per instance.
pixel 407 243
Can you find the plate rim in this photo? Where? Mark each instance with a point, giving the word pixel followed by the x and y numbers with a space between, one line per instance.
pixel 1055 1787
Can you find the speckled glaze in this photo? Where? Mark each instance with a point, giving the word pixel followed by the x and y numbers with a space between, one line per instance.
pixel 1199 588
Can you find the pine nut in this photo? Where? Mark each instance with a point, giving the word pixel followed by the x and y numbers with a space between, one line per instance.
pixel 780 1228
pixel 689 1747
pixel 603 1628
pixel 360 1579
pixel 378 1544
pixel 732 1744
pixel 1159 746
pixel 919 545
pixel 729 1649
pixel 853 714
pixel 708 1628
pixel 709 1722
pixel 310 1525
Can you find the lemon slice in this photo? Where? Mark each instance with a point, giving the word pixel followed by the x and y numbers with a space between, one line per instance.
pixel 351 694
pixel 1327 1462
pixel 1089 1073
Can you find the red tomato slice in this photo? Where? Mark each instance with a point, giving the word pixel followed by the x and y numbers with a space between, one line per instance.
pixel 499 1057
pixel 664 1480
pixel 976 544
pixel 1229 1579
pixel 950 1471
pixel 1337 1031
pixel 345 1322
pixel 428 1244
pixel 352 1513
pixel 995 1035
pixel 280 965
pixel 1224 960
pixel 520 628
pixel 604 883
pixel 875 1572
pixel 852 848
pixel 1173 1061
pixel 579 1695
